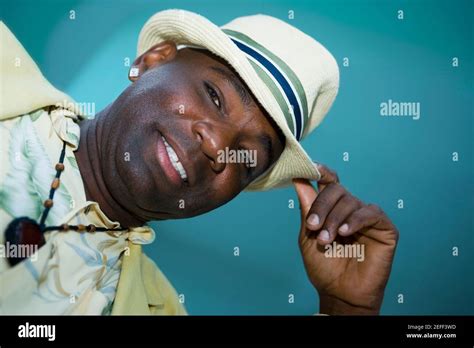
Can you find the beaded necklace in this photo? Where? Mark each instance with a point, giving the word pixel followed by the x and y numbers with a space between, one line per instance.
pixel 26 231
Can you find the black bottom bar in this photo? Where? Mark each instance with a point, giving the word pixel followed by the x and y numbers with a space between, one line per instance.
pixel 414 330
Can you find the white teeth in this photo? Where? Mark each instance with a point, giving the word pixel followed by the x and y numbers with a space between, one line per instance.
pixel 175 160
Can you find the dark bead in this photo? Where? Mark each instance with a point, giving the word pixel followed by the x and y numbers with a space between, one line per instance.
pixel 60 167
pixel 90 228
pixel 64 227
pixel 23 230
pixel 48 203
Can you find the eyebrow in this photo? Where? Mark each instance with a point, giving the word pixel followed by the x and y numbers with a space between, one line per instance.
pixel 235 82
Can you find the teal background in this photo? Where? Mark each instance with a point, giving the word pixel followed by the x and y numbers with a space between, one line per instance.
pixel 390 158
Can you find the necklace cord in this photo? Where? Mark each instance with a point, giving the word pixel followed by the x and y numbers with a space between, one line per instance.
pixel 59 170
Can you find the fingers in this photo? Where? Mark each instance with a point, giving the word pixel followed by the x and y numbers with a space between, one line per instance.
pixel 323 205
pixel 337 217
pixel 327 176
pixel 333 210
pixel 306 195
pixel 329 212
pixel 367 216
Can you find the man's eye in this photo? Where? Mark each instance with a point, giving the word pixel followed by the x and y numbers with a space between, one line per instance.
pixel 213 95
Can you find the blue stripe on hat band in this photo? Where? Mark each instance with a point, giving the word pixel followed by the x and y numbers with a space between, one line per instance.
pixel 278 76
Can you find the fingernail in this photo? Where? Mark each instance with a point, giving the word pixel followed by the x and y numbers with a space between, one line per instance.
pixel 313 220
pixel 324 235
pixel 344 228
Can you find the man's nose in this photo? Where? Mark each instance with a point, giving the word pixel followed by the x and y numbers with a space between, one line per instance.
pixel 213 139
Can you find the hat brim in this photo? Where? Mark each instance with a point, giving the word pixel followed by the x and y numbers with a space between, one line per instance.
pixel 187 28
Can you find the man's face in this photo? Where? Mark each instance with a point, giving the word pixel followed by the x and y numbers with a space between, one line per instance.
pixel 199 106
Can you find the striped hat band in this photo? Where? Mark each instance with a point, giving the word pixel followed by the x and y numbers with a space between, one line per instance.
pixel 280 80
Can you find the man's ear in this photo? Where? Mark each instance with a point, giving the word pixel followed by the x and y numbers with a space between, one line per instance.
pixel 158 54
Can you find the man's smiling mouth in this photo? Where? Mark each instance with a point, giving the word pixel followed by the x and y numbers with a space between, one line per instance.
pixel 177 165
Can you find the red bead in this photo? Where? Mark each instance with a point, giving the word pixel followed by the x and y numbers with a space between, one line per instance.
pixel 48 203
pixel 24 231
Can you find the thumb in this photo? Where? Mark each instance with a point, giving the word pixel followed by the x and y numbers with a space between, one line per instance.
pixel 306 195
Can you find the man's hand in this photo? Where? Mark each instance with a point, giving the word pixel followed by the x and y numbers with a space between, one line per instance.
pixel 345 285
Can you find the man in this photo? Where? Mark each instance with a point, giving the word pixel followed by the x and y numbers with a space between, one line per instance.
pixel 256 85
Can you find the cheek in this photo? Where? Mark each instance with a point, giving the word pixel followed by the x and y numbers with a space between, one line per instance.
pixel 168 88
pixel 181 101
pixel 168 91
pixel 128 161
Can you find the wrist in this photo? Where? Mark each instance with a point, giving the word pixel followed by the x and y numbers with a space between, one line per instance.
pixel 334 306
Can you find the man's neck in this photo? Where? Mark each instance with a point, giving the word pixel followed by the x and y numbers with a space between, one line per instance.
pixel 89 158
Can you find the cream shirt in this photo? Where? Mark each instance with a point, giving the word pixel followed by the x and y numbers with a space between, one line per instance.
pixel 74 272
